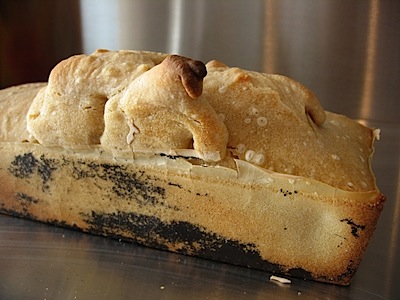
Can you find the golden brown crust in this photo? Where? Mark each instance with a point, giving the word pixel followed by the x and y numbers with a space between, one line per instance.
pixel 279 125
pixel 70 110
pixel 14 105
pixel 272 121
pixel 157 111
pixel 315 225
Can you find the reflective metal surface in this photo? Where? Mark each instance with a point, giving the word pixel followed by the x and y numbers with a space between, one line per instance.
pixel 346 51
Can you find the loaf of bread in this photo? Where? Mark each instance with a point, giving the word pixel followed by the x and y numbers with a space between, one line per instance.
pixel 204 160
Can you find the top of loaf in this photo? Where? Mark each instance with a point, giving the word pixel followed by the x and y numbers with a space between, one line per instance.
pixel 137 101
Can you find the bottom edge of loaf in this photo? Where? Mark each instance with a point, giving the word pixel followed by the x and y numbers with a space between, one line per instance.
pixel 183 238
pixel 281 226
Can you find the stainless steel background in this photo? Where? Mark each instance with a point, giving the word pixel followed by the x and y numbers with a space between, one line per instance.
pixel 346 51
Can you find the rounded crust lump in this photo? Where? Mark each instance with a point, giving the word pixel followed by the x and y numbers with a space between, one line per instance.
pixel 132 100
pixel 164 109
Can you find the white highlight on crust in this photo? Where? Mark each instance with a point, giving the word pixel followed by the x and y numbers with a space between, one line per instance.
pixel 262 121
pixel 247 120
pixel 210 155
pixel 350 184
pixel 377 134
pixel 364 184
pixel 280 279
pixel 270 180
pixel 335 123
pixel 132 131
pixel 240 148
pixel 259 159
pixel 249 155
pixel 254 111
pixel 222 89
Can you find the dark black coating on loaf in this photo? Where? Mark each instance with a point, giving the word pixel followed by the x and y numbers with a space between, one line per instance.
pixel 24 166
pixel 152 232
pixel 178 236
pixel 354 227
pixel 126 185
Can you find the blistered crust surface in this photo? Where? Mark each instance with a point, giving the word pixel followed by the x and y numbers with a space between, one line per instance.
pixel 69 111
pixel 14 105
pixel 164 109
pixel 134 101
pixel 278 124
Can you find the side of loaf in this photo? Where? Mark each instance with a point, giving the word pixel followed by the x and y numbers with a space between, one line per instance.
pixel 247 216
pixel 244 168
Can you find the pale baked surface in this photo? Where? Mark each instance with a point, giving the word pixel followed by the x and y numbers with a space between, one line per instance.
pixel 70 110
pixel 278 124
pixel 244 216
pixel 164 109
pixel 137 100
pixel 14 105
pixel 269 181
